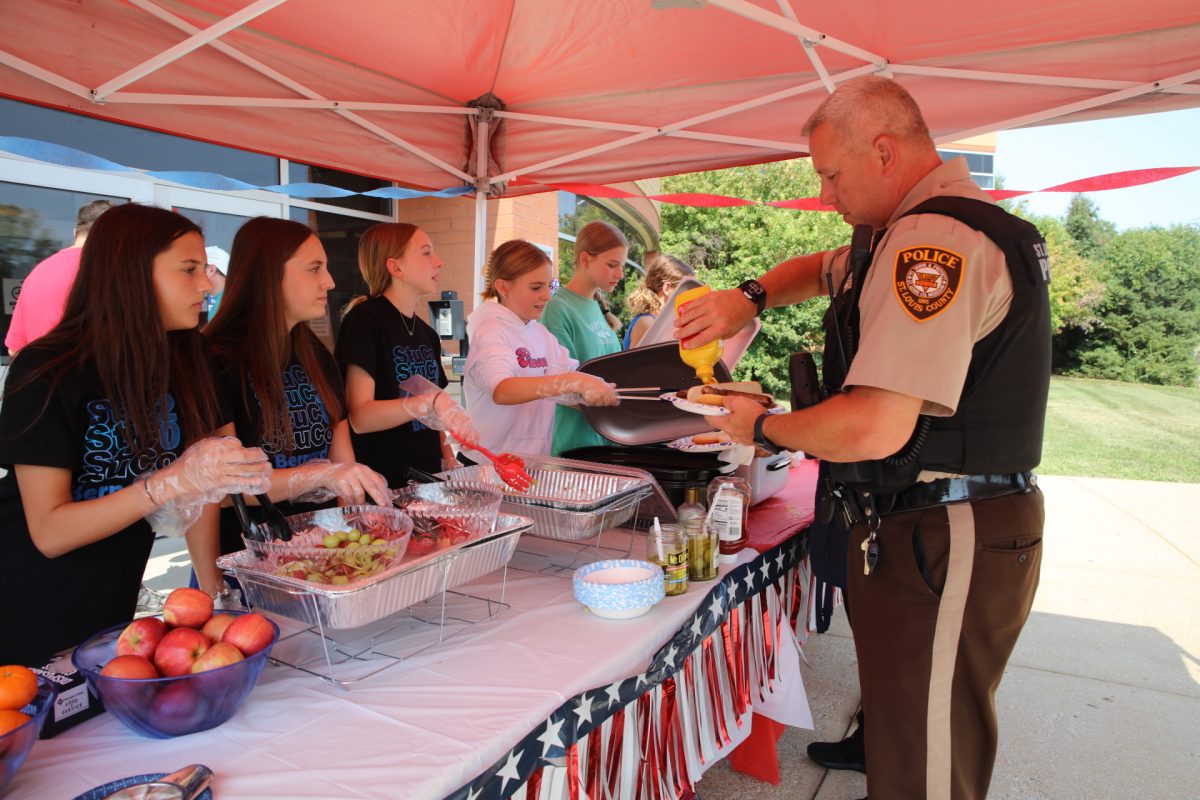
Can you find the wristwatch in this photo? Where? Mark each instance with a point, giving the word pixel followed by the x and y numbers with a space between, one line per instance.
pixel 761 439
pixel 755 293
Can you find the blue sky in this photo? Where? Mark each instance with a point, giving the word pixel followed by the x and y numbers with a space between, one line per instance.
pixel 1034 158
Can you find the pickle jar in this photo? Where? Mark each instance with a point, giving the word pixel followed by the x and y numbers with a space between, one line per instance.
pixel 668 548
pixel 703 547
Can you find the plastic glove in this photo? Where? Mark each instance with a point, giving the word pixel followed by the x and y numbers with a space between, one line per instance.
pixel 579 388
pixel 318 481
pixel 205 472
pixel 435 409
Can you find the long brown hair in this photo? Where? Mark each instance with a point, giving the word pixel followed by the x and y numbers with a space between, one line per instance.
pixel 661 271
pixel 112 319
pixel 250 329
pixel 378 244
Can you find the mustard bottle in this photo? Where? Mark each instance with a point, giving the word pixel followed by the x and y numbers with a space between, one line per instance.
pixel 704 358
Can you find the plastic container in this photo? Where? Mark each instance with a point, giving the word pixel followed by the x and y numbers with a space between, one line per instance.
pixel 702 359
pixel 448 513
pixel 667 547
pixel 16 744
pixel 728 514
pixel 161 708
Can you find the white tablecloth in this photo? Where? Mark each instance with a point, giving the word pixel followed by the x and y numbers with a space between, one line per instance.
pixel 419 729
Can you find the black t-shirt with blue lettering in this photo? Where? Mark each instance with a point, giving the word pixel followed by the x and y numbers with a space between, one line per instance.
pixel 375 337
pixel 312 430
pixel 54 603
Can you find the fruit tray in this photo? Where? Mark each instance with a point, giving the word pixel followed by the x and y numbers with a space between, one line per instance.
pixel 568 504
pixel 414 580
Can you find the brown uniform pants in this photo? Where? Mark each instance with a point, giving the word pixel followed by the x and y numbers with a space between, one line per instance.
pixel 934 625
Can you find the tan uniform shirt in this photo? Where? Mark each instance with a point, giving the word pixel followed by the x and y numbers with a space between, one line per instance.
pixel 934 289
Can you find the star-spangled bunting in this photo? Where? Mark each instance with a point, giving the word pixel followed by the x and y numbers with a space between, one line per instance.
pixel 582 714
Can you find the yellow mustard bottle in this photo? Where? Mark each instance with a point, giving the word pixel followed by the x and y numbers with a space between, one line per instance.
pixel 702 359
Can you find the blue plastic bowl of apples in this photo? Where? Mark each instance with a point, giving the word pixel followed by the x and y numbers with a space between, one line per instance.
pixel 162 708
pixel 16 744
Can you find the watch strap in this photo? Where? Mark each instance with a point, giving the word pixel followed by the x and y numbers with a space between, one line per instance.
pixel 760 438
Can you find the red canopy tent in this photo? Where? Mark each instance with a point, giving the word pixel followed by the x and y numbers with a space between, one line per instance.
pixel 580 92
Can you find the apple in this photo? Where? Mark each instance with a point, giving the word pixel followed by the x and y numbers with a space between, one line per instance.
pixel 187 608
pixel 129 666
pixel 249 633
pixel 221 654
pixel 177 708
pixel 216 626
pixel 140 637
pixel 178 650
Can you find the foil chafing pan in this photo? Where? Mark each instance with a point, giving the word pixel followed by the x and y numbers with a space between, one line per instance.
pixel 372 599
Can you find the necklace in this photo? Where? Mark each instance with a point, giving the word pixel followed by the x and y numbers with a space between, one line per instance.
pixel 411 330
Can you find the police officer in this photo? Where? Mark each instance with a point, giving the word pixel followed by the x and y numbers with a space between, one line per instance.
pixel 937 368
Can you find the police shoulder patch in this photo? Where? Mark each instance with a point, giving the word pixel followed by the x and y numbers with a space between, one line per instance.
pixel 926 280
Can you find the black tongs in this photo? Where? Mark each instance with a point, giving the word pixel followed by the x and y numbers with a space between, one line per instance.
pixel 274 526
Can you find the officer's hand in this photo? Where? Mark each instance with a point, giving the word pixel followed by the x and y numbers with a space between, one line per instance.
pixel 739 422
pixel 716 315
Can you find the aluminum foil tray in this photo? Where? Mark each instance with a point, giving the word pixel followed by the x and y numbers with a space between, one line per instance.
pixel 560 489
pixel 553 523
pixel 396 589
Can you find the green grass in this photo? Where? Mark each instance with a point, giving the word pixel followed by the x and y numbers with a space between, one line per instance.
pixel 1109 429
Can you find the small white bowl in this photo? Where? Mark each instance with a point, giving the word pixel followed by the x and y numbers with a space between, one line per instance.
pixel 619 588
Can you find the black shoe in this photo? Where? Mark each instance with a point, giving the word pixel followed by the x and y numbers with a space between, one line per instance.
pixel 846 754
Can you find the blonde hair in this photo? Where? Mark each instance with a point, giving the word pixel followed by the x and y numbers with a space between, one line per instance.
pixel 661 271
pixel 510 261
pixel 597 237
pixel 378 244
pixel 869 106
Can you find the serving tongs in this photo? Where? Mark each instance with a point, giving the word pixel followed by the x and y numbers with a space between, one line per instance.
pixel 274 526
pixel 184 784
pixel 511 468
pixel 643 393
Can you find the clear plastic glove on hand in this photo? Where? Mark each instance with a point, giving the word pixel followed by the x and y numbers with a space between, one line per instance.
pixel 579 389
pixel 205 472
pixel 319 480
pixel 435 409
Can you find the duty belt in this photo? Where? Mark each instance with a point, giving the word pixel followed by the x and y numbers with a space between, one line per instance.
pixel 854 505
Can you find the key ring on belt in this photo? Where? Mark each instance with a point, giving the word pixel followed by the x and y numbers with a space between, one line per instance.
pixel 870 545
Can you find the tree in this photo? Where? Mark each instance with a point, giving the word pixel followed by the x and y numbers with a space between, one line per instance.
pixel 1149 319
pixel 728 245
pixel 1083 224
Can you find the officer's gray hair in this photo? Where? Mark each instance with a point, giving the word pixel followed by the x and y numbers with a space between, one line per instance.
pixel 863 108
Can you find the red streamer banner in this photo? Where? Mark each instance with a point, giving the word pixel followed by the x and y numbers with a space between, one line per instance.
pixel 1097 183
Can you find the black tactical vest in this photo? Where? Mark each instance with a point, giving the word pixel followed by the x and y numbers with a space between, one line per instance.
pixel 997 427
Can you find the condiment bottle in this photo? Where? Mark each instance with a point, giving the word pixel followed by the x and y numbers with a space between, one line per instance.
pixel 701 538
pixel 728 513
pixel 667 547
pixel 702 359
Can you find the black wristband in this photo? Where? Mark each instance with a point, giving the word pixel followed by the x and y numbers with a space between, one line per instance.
pixel 761 439
pixel 756 293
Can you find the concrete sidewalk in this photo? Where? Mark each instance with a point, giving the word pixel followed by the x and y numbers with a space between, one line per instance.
pixel 1101 699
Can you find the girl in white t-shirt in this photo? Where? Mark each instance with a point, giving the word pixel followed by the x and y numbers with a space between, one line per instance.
pixel 516 369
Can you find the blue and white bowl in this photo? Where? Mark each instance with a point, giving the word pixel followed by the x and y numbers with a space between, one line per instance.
pixel 620 588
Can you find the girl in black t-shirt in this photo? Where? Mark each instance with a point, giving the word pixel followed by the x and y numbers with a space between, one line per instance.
pixel 115 393
pixel 280 382
pixel 382 343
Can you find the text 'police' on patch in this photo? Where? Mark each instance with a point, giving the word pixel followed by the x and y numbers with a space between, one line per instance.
pixel 927 280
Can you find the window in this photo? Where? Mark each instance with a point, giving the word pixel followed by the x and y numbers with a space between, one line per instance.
pixel 981 165
pixel 302 173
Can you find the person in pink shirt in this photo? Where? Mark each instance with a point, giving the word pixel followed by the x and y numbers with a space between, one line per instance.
pixel 44 293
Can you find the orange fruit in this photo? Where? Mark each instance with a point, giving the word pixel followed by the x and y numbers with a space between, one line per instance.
pixel 18 686
pixel 11 720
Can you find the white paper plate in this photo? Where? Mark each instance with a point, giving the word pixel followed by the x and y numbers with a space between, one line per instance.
pixel 707 410
pixel 687 445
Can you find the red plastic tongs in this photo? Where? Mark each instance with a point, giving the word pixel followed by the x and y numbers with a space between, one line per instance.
pixel 511 468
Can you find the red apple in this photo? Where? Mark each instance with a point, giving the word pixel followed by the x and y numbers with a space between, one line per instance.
pixel 129 666
pixel 187 608
pixel 249 633
pixel 178 650
pixel 140 637
pixel 214 629
pixel 221 654
pixel 177 708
